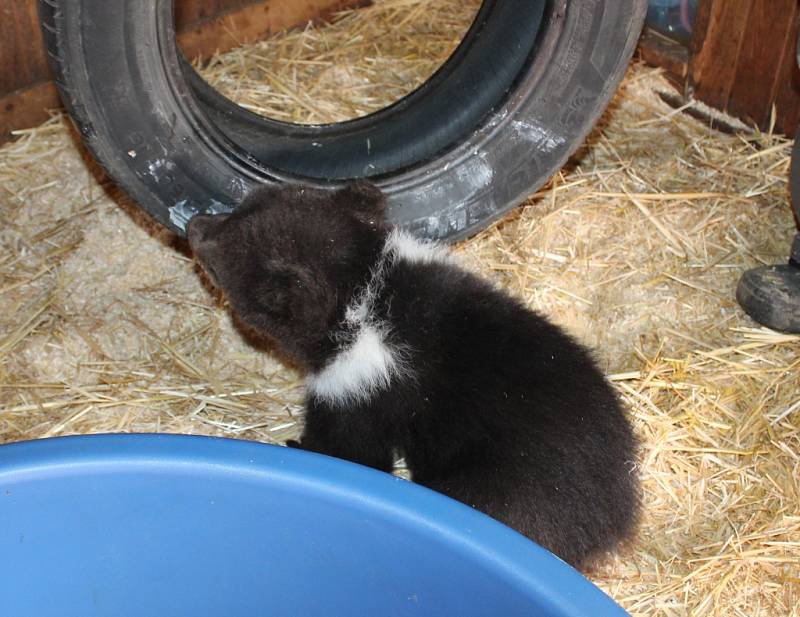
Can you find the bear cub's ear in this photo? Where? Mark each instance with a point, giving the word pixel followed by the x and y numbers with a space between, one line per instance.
pixel 364 201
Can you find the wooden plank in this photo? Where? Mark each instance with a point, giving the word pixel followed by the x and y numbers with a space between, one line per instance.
pixel 713 68
pixel 700 26
pixel 761 55
pixel 658 50
pixel 188 12
pixel 26 108
pixel 252 22
pixel 742 60
pixel 23 61
pixel 787 97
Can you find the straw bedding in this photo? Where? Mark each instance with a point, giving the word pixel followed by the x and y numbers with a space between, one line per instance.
pixel 635 247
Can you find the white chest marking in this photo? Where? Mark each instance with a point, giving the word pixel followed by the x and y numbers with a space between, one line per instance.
pixel 415 250
pixel 370 362
pixel 364 367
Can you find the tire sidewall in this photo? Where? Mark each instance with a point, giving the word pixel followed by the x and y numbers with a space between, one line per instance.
pixel 120 83
pixel 529 138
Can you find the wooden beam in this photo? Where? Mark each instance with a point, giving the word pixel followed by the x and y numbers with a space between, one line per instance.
pixel 767 44
pixel 251 22
pixel 204 27
pixel 27 107
pixel 658 50
pixel 713 68
pixel 787 97
pixel 24 62
pixel 743 60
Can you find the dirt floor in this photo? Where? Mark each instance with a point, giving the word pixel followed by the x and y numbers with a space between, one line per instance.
pixel 635 247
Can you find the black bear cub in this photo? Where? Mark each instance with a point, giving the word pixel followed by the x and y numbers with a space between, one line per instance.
pixel 408 354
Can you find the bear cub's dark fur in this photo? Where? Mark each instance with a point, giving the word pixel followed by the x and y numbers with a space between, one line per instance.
pixel 409 354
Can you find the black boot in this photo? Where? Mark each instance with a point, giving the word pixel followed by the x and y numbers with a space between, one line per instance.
pixel 771 294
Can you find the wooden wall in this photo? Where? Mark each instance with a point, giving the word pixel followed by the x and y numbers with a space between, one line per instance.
pixel 744 60
pixel 204 26
pixel 741 60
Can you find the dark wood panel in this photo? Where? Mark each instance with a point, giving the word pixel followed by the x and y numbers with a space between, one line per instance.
pixel 22 58
pixel 768 40
pixel 700 27
pixel 743 60
pixel 787 99
pixel 713 67
pixel 26 108
pixel 250 22
pixel 187 12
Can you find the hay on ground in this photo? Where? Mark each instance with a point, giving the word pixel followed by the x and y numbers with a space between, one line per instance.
pixel 635 247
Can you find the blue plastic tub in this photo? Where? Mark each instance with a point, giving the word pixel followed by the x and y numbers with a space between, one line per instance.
pixel 164 525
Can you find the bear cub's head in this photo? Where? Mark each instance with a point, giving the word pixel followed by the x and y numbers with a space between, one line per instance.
pixel 290 258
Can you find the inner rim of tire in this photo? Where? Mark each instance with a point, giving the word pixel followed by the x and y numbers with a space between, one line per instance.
pixel 438 115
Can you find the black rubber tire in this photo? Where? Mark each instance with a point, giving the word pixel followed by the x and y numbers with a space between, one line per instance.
pixel 489 128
